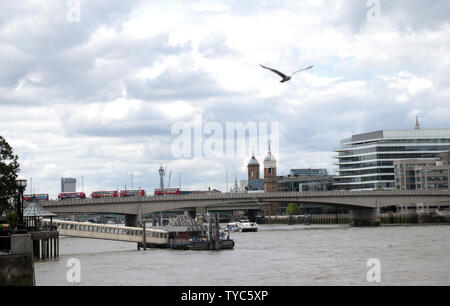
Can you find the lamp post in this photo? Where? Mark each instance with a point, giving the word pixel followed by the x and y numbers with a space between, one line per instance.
pixel 21 185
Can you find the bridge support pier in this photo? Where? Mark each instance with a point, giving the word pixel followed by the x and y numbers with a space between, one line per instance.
pixel 251 214
pixel 131 220
pixel 365 217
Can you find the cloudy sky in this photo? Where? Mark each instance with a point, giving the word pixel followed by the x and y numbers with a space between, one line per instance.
pixel 94 89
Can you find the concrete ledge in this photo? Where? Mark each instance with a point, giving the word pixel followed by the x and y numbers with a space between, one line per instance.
pixel 365 217
pixel 16 270
pixel 21 244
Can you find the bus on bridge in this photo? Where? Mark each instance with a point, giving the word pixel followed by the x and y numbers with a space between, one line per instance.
pixel 163 191
pixel 71 195
pixel 40 197
pixel 132 193
pixel 104 194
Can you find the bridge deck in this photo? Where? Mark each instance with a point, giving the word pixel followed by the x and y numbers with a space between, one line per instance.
pixel 238 200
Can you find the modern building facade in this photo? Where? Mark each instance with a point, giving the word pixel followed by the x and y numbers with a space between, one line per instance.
pixel 366 161
pixel 423 174
pixel 68 184
pixel 308 172
pixel 305 183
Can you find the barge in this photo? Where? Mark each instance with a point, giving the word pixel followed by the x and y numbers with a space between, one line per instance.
pixel 186 234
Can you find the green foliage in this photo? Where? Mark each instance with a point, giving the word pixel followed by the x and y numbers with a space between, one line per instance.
pixel 293 209
pixel 334 210
pixel 9 169
pixel 13 219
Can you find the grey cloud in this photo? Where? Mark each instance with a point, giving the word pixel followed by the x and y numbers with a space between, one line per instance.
pixel 72 70
pixel 58 51
pixel 215 45
pixel 175 83
pixel 125 128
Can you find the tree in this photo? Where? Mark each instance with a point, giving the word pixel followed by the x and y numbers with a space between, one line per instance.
pixel 9 169
pixel 292 209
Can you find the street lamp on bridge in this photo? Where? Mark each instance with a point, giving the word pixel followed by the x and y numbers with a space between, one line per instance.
pixel 21 185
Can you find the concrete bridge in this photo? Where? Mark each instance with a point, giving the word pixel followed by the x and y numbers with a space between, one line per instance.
pixel 365 205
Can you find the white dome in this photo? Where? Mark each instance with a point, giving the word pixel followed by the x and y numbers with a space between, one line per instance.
pixel 269 157
pixel 253 162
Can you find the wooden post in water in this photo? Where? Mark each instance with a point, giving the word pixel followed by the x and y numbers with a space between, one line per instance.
pixel 144 236
pixel 210 220
pixel 216 238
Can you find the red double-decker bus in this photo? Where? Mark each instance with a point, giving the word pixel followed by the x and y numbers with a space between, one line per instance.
pixel 39 197
pixel 71 195
pixel 104 194
pixel 132 193
pixel 159 191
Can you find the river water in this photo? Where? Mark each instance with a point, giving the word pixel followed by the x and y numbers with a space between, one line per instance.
pixel 276 255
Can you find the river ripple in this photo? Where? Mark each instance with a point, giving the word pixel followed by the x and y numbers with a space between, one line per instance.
pixel 277 255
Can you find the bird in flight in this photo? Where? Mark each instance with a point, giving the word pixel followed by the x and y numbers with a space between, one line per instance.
pixel 285 78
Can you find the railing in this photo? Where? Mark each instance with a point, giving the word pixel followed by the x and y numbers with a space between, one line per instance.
pixel 107 229
pixel 178 240
pixel 42 228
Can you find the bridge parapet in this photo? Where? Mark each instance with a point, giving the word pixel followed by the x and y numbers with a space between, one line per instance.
pixel 244 196
pixel 137 206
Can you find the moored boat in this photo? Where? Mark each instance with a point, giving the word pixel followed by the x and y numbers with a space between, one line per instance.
pixel 241 226
pixel 247 226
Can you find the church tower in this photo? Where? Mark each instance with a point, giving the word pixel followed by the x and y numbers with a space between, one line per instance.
pixel 253 170
pixel 270 173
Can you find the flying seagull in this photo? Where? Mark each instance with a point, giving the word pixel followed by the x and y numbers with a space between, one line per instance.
pixel 285 77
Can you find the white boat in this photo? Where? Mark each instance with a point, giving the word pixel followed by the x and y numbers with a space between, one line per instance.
pixel 443 213
pixel 231 227
pixel 247 226
pixel 241 226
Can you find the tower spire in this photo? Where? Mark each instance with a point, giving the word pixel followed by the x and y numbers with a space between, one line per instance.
pixel 417 127
pixel 162 174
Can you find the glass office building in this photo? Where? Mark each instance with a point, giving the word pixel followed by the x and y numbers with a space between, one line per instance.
pixel 366 161
pixel 308 172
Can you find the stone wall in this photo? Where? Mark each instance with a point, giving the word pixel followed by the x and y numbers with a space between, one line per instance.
pixel 16 270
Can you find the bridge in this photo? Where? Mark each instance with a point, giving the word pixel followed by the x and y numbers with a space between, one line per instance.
pixel 109 232
pixel 365 205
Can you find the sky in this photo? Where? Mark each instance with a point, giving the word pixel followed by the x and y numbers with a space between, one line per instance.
pixel 106 91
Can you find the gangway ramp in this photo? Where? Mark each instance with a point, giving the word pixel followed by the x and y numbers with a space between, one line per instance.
pixel 109 232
